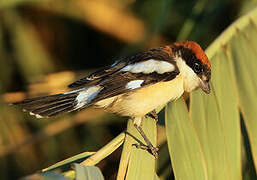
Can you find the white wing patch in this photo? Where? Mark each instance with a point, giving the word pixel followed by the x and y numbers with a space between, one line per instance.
pixel 37 115
pixel 134 84
pixel 87 95
pixel 150 66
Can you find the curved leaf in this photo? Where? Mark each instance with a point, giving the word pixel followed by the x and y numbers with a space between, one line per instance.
pixel 214 120
pixel 185 150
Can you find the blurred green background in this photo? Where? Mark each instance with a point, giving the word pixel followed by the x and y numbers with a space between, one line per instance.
pixel 47 44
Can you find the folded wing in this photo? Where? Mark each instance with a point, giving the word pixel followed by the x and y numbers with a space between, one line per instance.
pixel 128 74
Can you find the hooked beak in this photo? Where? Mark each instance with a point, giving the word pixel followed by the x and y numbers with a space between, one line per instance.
pixel 204 85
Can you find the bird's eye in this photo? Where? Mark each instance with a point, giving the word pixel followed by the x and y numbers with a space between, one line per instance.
pixel 197 67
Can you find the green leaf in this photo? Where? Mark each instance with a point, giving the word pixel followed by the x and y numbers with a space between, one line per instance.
pixel 88 172
pixel 239 42
pixel 216 120
pixel 76 158
pixel 207 143
pixel 95 157
pixel 45 176
pixel 184 147
pixel 243 49
pixel 137 163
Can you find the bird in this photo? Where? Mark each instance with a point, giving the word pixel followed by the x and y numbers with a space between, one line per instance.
pixel 133 86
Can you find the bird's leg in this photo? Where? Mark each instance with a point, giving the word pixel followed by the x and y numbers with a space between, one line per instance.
pixel 149 147
pixel 153 115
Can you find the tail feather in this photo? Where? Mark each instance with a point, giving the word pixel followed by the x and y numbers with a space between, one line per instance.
pixel 58 110
pixel 47 100
pixel 52 105
pixel 48 106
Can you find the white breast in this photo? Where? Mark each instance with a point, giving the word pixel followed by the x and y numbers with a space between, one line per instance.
pixel 142 101
pixel 191 80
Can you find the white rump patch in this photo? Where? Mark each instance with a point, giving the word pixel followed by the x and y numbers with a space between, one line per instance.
pixel 134 84
pixel 150 66
pixel 87 95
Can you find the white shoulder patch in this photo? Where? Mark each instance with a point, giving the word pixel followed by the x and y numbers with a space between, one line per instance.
pixel 87 95
pixel 150 66
pixel 134 84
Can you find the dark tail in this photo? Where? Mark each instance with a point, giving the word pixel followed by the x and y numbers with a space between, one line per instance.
pixel 48 106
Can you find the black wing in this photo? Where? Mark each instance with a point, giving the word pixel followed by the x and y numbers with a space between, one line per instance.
pixel 109 70
pixel 117 83
pixel 96 76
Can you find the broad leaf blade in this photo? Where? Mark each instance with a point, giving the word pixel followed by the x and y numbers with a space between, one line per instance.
pixel 137 163
pixel 215 117
pixel 226 99
pixel 216 120
pixel 243 49
pixel 186 153
pixel 239 41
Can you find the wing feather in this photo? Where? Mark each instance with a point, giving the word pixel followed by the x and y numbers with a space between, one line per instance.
pixel 115 79
pixel 117 83
pixel 157 54
pixel 96 76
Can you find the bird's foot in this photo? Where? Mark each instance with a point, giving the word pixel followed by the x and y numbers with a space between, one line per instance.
pixel 150 149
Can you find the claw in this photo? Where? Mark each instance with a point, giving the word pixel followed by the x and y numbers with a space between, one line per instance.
pixel 151 149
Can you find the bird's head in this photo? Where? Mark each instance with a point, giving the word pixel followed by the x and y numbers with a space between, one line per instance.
pixel 193 64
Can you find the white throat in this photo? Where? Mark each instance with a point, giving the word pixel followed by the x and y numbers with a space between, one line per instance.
pixel 190 78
